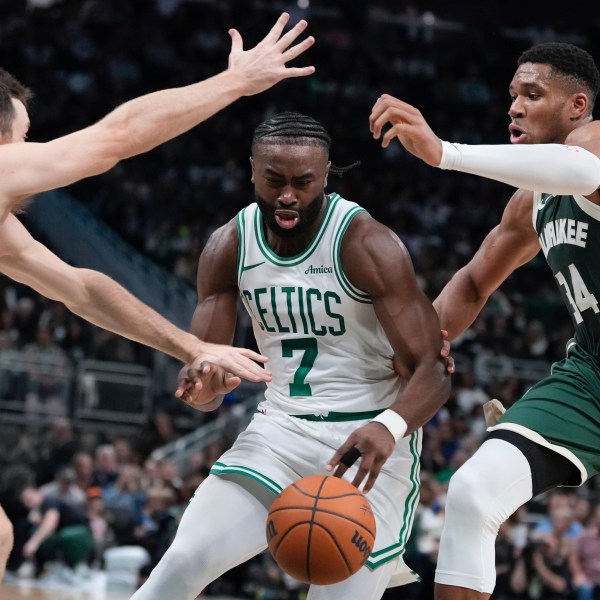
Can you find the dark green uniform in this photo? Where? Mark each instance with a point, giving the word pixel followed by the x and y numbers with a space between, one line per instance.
pixel 563 410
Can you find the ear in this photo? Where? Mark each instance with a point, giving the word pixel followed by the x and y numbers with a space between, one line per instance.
pixel 252 170
pixel 326 174
pixel 579 106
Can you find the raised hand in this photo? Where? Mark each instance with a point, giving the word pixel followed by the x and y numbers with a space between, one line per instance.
pixel 408 125
pixel 237 361
pixel 263 66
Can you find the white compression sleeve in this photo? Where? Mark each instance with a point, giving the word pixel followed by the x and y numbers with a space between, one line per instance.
pixel 551 168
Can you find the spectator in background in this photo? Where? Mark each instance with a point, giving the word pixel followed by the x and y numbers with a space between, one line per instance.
pixel 158 524
pixel 64 488
pixel 57 447
pixel 124 501
pixel 584 561
pixel 60 531
pixel 47 368
pixel 83 467
pixel 157 432
pixel 106 468
pixel 96 515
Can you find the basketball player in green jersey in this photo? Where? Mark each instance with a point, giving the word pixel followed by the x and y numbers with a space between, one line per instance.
pixel 551 436
pixel 135 127
pixel 335 306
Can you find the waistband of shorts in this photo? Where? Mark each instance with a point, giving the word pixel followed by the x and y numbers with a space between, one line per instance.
pixel 341 416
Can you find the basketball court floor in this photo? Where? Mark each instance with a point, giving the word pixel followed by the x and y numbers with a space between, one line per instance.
pixel 30 591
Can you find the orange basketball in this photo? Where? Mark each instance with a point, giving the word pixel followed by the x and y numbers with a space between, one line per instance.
pixel 321 529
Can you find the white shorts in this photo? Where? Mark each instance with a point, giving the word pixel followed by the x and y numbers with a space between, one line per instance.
pixel 277 449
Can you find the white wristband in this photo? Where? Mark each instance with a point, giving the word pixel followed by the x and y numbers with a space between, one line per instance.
pixel 393 422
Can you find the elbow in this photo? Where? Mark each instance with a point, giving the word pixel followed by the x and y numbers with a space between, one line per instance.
pixel 80 290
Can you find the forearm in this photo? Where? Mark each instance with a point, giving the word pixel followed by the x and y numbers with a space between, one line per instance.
pixel 425 393
pixel 551 168
pixel 46 528
pixel 150 120
pixel 105 303
pixel 458 305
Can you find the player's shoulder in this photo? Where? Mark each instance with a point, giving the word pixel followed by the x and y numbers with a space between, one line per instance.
pixel 365 225
pixel 225 234
pixel 586 136
pixel 223 242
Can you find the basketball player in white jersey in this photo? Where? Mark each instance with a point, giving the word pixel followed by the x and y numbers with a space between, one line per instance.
pixel 333 299
pixel 135 127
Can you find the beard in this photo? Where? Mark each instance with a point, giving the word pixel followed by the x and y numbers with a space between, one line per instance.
pixel 307 216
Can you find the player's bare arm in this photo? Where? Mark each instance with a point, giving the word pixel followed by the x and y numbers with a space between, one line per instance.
pixel 509 245
pixel 375 260
pixel 215 317
pixel 143 123
pixel 102 301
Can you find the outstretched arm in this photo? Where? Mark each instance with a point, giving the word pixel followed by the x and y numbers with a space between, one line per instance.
pixel 100 300
pixel 508 246
pixel 376 261
pixel 145 122
pixel 572 168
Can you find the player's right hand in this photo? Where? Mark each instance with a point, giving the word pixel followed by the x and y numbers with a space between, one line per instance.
pixel 408 125
pixel 264 65
pixel 238 361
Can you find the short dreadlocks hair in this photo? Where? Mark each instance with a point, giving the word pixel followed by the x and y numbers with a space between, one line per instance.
pixel 10 88
pixel 296 129
pixel 569 61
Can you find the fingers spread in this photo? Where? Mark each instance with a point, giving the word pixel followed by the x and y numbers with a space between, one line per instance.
pixel 279 26
pixel 298 49
pixel 291 35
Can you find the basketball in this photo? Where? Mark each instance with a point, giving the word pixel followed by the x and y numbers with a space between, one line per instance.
pixel 321 529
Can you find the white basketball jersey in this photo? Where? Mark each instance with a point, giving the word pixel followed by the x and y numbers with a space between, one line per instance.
pixel 327 350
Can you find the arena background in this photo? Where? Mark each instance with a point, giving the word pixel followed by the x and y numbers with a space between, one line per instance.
pixel 71 393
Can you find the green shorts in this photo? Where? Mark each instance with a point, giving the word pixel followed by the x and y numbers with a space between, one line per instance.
pixel 562 412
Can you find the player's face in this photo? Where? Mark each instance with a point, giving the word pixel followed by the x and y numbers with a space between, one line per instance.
pixel 541 106
pixel 289 186
pixel 20 124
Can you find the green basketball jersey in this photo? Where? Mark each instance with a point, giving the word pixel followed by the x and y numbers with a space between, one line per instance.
pixel 327 350
pixel 569 232
pixel 562 411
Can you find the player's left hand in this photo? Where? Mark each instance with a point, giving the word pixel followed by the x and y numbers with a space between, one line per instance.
pixel 239 361
pixel 445 353
pixel 374 444
pixel 408 125
pixel 200 387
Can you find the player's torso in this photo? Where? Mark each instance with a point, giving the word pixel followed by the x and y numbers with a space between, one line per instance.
pixel 568 228
pixel 326 348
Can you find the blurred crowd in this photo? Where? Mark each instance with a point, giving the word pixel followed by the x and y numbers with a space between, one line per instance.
pixel 83 57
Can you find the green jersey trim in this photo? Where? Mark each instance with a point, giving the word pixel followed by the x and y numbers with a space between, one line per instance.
pixel 352 291
pixel 241 254
pixel 384 555
pixel 220 468
pixel 341 416
pixel 292 261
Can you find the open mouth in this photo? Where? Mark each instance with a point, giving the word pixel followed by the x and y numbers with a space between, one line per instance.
pixel 286 219
pixel 517 135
